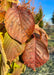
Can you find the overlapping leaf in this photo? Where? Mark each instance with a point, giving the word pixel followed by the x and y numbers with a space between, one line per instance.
pixel 42 33
pixel 35 54
pixel 42 36
pixel 19 23
pixel 40 29
pixel 12 48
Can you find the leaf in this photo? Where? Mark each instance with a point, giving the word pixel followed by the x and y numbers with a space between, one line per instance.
pixel 18 68
pixel 4 66
pixel 42 36
pixel 35 54
pixel 1 41
pixel 5 5
pixel 1 37
pixel 42 33
pixel 38 28
pixel 13 1
pixel 12 48
pixel 0 58
pixel 2 15
pixel 19 23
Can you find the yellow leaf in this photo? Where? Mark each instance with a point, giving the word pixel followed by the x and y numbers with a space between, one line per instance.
pixel 4 66
pixel 14 1
pixel 12 48
pixel 5 5
pixel 1 37
pixel 19 69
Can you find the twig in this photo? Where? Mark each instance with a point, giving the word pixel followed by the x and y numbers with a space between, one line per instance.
pixel 40 20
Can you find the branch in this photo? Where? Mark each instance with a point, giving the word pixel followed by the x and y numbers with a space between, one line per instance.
pixel 28 3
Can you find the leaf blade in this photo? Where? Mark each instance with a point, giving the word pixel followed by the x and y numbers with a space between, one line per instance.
pixel 19 25
pixel 12 48
pixel 35 54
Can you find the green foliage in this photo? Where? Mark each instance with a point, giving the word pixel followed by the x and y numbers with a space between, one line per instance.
pixel 41 24
pixel 51 43
pixel 52 18
pixel 38 16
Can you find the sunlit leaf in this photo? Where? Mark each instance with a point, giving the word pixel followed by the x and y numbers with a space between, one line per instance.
pixel 5 5
pixel 19 23
pixel 8 74
pixel 12 48
pixel 4 66
pixel 20 69
pixel 14 1
pixel 36 53
pixel 1 37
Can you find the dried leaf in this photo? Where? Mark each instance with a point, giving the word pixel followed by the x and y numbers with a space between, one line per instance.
pixel 35 54
pixel 42 33
pixel 12 48
pixel 19 23
pixel 40 29
pixel 2 15
pixel 42 36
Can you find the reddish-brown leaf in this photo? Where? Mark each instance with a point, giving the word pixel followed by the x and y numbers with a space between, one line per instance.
pixel 41 29
pixel 35 54
pixel 42 36
pixel 19 23
pixel 2 15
